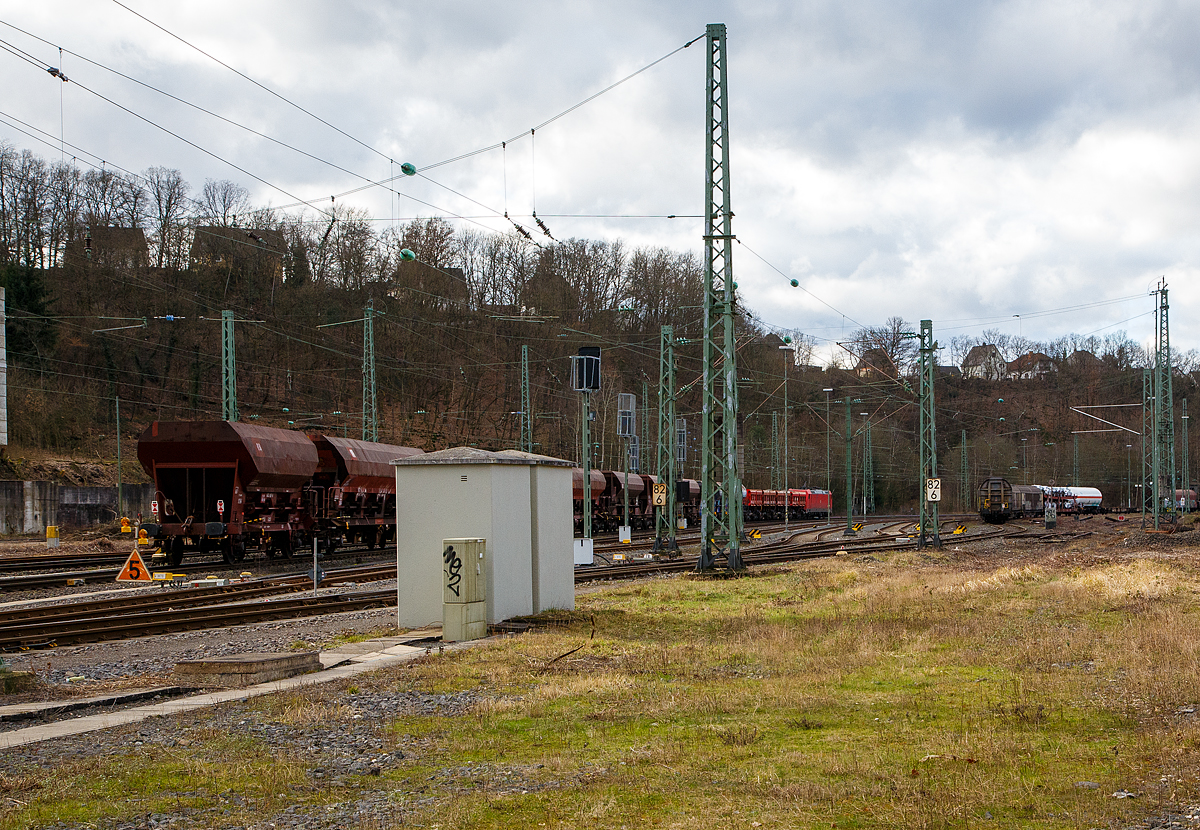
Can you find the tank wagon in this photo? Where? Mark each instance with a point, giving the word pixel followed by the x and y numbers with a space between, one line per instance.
pixel 229 487
pixel 1073 499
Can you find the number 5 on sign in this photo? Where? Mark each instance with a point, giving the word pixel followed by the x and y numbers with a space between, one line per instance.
pixel 933 489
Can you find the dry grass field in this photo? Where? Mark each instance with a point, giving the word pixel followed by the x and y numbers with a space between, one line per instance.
pixel 998 684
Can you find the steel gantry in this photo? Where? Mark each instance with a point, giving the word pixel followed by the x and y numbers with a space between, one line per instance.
pixel 929 507
pixel 229 407
pixel 720 483
pixel 664 522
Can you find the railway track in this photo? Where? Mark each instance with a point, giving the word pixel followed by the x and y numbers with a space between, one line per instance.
pixel 53 578
pixel 274 598
pixel 789 551
pixel 186 609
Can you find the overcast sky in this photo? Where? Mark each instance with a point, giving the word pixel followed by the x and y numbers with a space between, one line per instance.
pixel 962 162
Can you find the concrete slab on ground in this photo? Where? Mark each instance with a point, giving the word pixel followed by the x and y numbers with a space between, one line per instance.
pixel 19 711
pixel 390 651
pixel 239 670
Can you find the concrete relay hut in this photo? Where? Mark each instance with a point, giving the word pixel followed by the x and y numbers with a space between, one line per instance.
pixel 519 503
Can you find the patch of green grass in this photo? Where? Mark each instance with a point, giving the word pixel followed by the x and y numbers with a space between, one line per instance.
pixel 860 695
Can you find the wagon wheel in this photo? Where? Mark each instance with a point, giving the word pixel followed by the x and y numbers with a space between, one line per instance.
pixel 234 551
pixel 175 551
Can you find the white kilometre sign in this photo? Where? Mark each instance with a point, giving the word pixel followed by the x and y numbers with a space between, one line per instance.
pixel 933 489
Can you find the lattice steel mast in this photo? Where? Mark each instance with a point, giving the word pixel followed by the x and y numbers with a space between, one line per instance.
pixel 370 408
pixel 776 467
pixel 229 407
pixel 868 471
pixel 929 509
pixel 1184 473
pixel 1149 442
pixel 526 403
pixel 1164 409
pixel 664 522
pixel 720 484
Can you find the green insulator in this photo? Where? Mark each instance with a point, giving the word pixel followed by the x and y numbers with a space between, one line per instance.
pixel 408 169
pixel 795 283
pixel 787 339
pixel 407 255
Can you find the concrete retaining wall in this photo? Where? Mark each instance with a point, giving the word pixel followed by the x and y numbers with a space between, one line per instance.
pixel 29 506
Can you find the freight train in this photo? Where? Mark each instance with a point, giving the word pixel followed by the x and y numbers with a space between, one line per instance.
pixel 227 486
pixel 608 502
pixel 231 487
pixel 998 501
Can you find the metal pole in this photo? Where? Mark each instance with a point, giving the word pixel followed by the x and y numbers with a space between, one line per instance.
pixel 1024 461
pixel 1148 442
pixel 1184 473
pixel 1128 476
pixel 788 354
pixel 964 490
pixel 868 470
pixel 720 485
pixel 776 465
pixel 1075 467
pixel 370 410
pixel 929 509
pixel 587 466
pixel 664 521
pixel 526 403
pixel 229 407
pixel 828 430
pixel 849 474
pixel 315 566
pixel 625 485
pixel 118 456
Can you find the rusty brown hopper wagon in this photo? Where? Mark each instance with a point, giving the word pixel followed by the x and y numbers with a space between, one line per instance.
pixel 226 486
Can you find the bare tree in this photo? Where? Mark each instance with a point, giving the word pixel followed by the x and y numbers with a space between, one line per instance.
pixel 222 202
pixel 168 200
pixel 894 339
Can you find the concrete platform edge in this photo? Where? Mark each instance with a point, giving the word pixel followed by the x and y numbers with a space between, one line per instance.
pixel 348 666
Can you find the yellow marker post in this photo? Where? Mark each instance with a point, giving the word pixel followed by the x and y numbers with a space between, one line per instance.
pixel 52 536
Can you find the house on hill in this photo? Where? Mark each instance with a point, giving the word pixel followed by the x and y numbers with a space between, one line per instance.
pixel 984 362
pixel 1084 361
pixel 875 362
pixel 257 250
pixel 426 286
pixel 1030 366
pixel 116 247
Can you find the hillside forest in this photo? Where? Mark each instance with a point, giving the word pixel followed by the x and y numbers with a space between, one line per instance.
pixel 115 284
